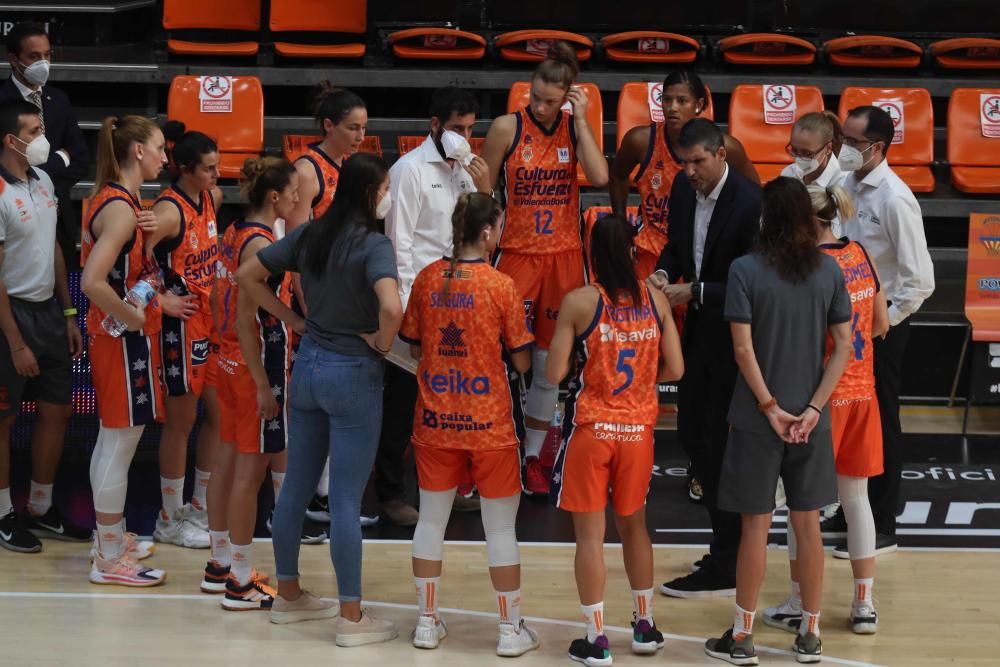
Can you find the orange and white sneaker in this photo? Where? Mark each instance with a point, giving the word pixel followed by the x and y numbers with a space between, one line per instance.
pixel 215 578
pixel 124 571
pixel 253 596
pixel 135 548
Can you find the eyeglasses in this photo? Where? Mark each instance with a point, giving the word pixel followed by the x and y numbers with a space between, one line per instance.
pixel 800 152
pixel 855 143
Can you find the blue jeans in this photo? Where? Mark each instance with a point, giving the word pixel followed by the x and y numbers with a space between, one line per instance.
pixel 336 409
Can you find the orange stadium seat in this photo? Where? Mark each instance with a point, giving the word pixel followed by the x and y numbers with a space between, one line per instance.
pixel 765 139
pixel 520 94
pixel 532 45
pixel 238 131
pixel 637 101
pixel 437 44
pixel 212 15
pixel 767 48
pixel 967 53
pixel 912 151
pixel 650 46
pixel 345 17
pixel 294 145
pixel 873 51
pixel 974 139
pixel 407 143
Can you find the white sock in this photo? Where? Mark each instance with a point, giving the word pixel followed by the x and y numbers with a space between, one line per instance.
pixel 810 623
pixel 242 565
pixel 221 547
pixel 533 441
pixel 509 607
pixel 172 491
pixel 200 488
pixel 863 592
pixel 6 506
pixel 278 480
pixel 642 602
pixel 742 622
pixel 795 598
pixel 427 595
pixel 40 498
pixel 111 540
pixel 323 486
pixel 593 614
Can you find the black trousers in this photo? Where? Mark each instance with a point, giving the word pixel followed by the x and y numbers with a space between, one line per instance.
pixel 703 400
pixel 398 401
pixel 884 490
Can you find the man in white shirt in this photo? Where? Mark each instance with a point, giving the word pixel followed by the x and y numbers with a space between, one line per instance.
pixel 888 223
pixel 424 185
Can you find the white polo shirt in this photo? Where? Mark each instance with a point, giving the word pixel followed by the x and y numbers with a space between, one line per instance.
pixel 28 211
pixel 890 226
pixel 832 174
pixel 424 189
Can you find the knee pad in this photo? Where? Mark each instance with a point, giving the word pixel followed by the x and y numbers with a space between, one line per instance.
pixel 499 516
pixel 858 514
pixel 428 538
pixel 543 395
pixel 109 467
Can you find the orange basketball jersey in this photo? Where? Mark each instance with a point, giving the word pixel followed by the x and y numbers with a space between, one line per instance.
pixel 188 260
pixel 858 380
pixel 273 335
pixel 654 180
pixel 464 399
pixel 327 175
pixel 129 265
pixel 543 198
pixel 616 363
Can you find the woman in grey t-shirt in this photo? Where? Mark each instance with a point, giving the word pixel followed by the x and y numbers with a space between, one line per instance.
pixel 782 300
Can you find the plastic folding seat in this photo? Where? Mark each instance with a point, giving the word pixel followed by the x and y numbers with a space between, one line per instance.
pixel 532 45
pixel 873 51
pixel 639 100
pixel 974 139
pixel 765 130
pixel 650 46
pixel 344 17
pixel 767 48
pixel 520 95
pixel 294 145
pixel 239 131
pixel 235 15
pixel 437 44
pixel 912 150
pixel 967 53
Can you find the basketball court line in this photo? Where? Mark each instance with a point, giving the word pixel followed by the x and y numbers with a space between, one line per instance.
pixel 396 605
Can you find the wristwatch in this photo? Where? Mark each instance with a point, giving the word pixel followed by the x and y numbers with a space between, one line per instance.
pixel 696 292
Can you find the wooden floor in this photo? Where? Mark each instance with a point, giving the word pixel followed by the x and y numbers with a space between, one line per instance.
pixel 935 608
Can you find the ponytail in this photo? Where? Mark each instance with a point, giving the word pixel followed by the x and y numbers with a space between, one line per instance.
pixel 612 259
pixel 473 213
pixel 560 66
pixel 186 148
pixel 114 141
pixel 830 202
pixel 260 175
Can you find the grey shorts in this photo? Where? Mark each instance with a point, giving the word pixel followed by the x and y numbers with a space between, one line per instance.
pixel 43 328
pixel 754 461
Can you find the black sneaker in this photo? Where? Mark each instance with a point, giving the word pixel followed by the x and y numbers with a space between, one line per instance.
pixel 597 654
pixel 319 509
pixel 884 544
pixel 734 652
pixel 701 563
pixel 646 639
pixel 53 525
pixel 835 525
pixel 311 533
pixel 808 648
pixel 14 534
pixel 700 584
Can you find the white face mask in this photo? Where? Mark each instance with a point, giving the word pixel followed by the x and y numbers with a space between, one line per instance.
pixel 851 159
pixel 807 165
pixel 37 151
pixel 37 73
pixel 383 207
pixel 456 147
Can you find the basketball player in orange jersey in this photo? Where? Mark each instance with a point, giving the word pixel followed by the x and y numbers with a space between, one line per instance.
pixel 854 413
pixel 619 338
pixel 126 370
pixel 462 316
pixel 186 249
pixel 534 152
pixel 651 149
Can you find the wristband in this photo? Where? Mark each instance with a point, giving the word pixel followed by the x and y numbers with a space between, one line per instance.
pixel 69 312
pixel 810 405
pixel 764 407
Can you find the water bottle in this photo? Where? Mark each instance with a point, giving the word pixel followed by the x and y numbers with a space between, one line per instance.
pixel 141 294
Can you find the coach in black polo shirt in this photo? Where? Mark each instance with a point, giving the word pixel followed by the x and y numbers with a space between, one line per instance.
pixel 29 54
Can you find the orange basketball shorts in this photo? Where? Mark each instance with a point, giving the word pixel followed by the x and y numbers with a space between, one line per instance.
pixel 596 458
pixel 543 281
pixel 240 422
pixel 127 379
pixel 495 472
pixel 857 437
